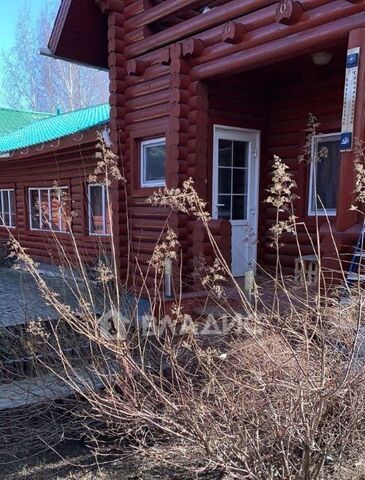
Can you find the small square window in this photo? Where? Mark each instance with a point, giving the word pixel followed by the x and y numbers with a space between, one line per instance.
pixel 153 156
pixel 324 174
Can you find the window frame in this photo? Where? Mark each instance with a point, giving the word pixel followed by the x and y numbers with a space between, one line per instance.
pixel 49 190
pixel 150 183
pixel 312 173
pixel 11 213
pixel 104 233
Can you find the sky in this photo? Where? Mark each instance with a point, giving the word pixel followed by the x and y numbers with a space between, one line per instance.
pixel 8 16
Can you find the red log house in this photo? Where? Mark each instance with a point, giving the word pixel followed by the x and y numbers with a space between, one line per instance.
pixel 212 89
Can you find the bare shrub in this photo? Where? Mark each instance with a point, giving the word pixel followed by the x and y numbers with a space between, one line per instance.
pixel 277 391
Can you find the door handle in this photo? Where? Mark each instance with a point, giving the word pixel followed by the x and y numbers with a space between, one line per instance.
pixel 220 205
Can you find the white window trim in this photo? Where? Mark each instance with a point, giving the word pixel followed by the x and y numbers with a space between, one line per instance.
pixel 49 190
pixel 312 172
pixel 7 191
pixel 104 233
pixel 144 182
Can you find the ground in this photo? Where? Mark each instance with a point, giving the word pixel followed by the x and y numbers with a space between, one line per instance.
pixel 20 300
pixel 73 463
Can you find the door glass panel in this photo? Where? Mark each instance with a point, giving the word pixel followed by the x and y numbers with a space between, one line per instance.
pixel 225 153
pixel 232 179
pixel 240 154
pixel 239 207
pixel 224 206
pixel 239 180
pixel 224 180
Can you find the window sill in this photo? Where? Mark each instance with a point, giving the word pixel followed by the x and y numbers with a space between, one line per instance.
pixel 42 233
pixel 322 213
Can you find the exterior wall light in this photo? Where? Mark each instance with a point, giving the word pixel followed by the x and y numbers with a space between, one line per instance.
pixel 321 58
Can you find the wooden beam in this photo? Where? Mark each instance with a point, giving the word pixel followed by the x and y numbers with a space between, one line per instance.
pixel 216 16
pixel 282 48
pixel 268 32
pixel 161 11
pixel 288 12
pixel 345 218
pixel 233 32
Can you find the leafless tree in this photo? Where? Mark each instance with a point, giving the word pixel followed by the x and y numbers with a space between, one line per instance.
pixel 38 83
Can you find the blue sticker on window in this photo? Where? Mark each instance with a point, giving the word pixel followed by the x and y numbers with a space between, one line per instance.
pixel 352 60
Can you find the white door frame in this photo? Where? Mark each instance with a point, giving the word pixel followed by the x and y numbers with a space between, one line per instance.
pixel 254 173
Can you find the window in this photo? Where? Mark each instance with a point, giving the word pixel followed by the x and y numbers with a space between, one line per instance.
pixel 324 174
pixel 47 209
pixel 99 209
pixel 153 154
pixel 7 208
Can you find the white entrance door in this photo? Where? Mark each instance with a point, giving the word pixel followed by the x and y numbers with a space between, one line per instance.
pixel 235 190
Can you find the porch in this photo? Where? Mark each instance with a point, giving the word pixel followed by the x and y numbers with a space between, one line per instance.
pixel 264 112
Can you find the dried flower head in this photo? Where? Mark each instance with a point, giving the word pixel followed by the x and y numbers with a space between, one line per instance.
pixel 359 166
pixel 107 164
pixel 280 193
pixel 165 250
pixel 184 199
pixel 103 272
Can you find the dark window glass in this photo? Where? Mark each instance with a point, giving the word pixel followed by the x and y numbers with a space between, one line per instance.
pixel 45 213
pixel 240 151
pixel 6 211
pixel 326 172
pixel 34 209
pixel 153 162
pixel 225 153
pixel 239 207
pixel 239 180
pixel 224 206
pixel 96 209
pixel 12 207
pixel 224 180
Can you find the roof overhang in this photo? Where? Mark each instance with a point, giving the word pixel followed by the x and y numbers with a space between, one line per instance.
pixel 80 34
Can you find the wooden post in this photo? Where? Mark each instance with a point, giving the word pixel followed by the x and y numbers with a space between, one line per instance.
pixel 346 218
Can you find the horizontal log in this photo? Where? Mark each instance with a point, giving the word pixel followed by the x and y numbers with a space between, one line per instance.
pixel 314 15
pixel 151 113
pixel 147 101
pixel 282 48
pixel 160 11
pixel 136 7
pixel 147 87
pixel 216 16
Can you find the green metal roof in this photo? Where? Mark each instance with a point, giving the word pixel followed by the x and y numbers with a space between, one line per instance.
pixel 14 119
pixel 54 127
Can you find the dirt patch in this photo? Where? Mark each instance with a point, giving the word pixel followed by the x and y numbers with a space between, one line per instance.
pixel 74 462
